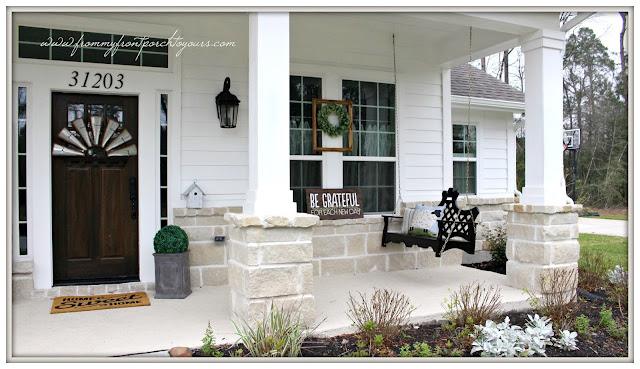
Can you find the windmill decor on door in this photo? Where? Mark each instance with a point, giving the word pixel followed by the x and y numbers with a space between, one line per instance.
pixel 79 141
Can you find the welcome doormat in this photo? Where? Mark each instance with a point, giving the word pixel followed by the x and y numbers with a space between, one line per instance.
pixel 70 304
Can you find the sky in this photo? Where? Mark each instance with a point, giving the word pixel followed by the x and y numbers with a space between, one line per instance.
pixel 607 27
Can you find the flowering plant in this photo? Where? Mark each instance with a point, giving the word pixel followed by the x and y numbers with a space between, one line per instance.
pixel 507 340
pixel 618 275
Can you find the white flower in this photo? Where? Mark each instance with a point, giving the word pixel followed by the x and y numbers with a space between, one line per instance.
pixel 511 340
pixel 567 341
pixel 618 276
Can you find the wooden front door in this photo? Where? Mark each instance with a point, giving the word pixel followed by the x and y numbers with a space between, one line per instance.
pixel 95 191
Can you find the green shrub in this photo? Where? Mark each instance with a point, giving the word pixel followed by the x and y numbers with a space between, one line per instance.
pixel 497 241
pixel 279 334
pixel 170 239
pixel 361 351
pixel 423 350
pixel 420 349
pixel 582 324
pixel 609 324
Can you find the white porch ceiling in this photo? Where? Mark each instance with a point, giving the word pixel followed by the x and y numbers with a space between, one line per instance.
pixel 442 38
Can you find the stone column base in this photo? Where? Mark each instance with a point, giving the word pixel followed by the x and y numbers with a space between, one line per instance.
pixel 541 242
pixel 270 261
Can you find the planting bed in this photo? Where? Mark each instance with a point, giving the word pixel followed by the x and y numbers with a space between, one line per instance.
pixel 596 343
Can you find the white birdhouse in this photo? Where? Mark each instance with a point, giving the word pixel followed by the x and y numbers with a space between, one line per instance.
pixel 194 196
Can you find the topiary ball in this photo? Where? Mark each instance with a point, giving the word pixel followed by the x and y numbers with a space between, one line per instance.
pixel 170 239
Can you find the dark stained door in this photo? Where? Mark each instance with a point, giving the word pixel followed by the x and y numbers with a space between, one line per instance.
pixel 95 223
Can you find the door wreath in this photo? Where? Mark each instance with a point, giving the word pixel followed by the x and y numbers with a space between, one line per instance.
pixel 344 122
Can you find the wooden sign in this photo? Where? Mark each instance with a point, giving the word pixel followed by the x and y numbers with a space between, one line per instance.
pixel 335 204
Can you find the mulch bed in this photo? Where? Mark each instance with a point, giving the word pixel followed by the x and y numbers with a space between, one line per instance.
pixel 490 266
pixel 597 343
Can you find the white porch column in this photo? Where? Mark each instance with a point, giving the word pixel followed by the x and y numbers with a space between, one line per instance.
pixel 269 191
pixel 543 52
pixel 270 247
pixel 542 230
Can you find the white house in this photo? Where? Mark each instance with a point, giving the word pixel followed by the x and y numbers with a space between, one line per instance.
pixel 84 219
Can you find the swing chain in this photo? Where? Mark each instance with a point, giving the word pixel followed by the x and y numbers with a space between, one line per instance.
pixel 467 139
pixel 395 87
pixel 467 146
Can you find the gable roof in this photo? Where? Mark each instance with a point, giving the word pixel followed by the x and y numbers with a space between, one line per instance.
pixel 483 85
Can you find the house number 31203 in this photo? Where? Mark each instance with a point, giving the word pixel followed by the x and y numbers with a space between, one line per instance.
pixel 97 80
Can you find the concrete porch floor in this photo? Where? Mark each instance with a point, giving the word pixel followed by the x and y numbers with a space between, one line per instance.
pixel 169 323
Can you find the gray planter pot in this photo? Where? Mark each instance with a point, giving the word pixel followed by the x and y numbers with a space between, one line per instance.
pixel 173 279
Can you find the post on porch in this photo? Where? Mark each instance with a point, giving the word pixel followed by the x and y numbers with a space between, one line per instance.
pixel 270 244
pixel 542 230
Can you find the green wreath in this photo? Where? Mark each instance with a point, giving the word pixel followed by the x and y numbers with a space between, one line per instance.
pixel 327 127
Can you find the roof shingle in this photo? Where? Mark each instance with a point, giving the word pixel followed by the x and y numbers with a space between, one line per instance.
pixel 483 85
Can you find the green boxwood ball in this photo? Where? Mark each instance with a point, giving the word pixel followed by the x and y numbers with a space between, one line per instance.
pixel 170 239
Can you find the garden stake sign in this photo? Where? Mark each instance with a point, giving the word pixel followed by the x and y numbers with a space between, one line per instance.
pixel 320 120
pixel 335 204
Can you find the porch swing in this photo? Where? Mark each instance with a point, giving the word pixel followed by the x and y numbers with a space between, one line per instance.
pixel 456 227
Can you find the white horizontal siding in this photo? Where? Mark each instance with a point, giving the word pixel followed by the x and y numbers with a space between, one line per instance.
pixel 214 158
pixel 420 110
pixel 490 163
pixel 494 153
pixel 212 172
pixel 420 88
pixel 494 174
pixel 416 172
pixel 211 129
pixel 423 184
pixel 423 160
pixel 222 144
pixel 419 100
pixel 423 136
pixel 412 147
pixel 220 186
pixel 421 123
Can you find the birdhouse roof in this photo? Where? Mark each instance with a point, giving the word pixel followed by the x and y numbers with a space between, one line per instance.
pixel 191 188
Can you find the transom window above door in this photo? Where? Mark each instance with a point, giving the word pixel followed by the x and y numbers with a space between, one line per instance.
pixel 91 47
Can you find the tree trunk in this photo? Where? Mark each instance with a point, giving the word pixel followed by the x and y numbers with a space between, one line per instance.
pixel 623 64
pixel 505 65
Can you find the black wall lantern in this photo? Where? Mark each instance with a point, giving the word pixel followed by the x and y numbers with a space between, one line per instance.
pixel 227 106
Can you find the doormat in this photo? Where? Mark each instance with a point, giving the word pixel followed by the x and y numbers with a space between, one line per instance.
pixel 70 304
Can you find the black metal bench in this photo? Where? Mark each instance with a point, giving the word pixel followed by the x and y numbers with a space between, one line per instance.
pixel 454 223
